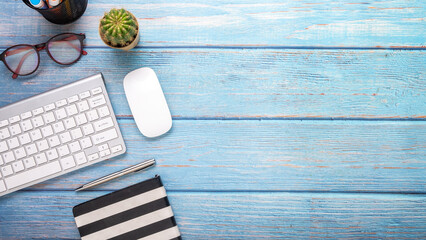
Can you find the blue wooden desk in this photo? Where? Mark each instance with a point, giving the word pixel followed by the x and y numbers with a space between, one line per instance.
pixel 292 119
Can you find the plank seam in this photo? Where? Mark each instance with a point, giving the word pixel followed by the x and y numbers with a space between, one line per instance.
pixel 245 191
pixel 283 47
pixel 396 48
pixel 129 117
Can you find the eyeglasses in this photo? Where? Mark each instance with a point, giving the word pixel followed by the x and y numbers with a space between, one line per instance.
pixel 24 59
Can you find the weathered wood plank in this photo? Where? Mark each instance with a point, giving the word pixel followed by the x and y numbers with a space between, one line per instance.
pixel 48 215
pixel 253 83
pixel 371 156
pixel 248 22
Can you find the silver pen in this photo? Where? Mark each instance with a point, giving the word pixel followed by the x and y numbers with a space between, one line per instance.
pixel 131 169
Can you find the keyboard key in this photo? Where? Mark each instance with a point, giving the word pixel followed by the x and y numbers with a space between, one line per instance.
pixel 38 111
pixel 96 90
pixel 65 137
pixel 72 99
pixel 71 110
pixel 1 163
pixel 52 154
pixel 80 158
pixel 105 153
pixel 40 158
pixel 76 133
pixel 14 119
pixel 32 174
pixel 15 129
pixel 29 162
pixel 47 131
pixel 81 119
pixel 84 95
pixel 61 103
pixel 104 136
pixel 69 123
pixel 60 113
pixel 3 146
pixel 31 149
pixel 49 107
pixel 18 166
pixel 97 101
pixel 26 125
pixel 63 150
pixel 8 157
pixel 67 162
pixel 20 153
pixel 75 147
pixel 7 170
pixel 36 135
pixel 26 115
pixel 24 138
pixel 54 141
pixel 116 148
pixel 13 142
pixel 4 123
pixel 103 111
pixel 83 106
pixel 103 124
pixel 93 156
pixel 86 143
pixel 2 186
pixel 103 147
pixel 4 133
pixel 88 129
pixel 58 127
pixel 42 145
pixel 92 115
pixel 49 117
pixel 38 121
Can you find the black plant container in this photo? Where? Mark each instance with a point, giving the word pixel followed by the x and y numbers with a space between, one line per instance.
pixel 66 12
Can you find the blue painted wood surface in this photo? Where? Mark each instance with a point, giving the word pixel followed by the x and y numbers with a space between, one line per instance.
pixel 305 23
pixel 255 83
pixel 292 119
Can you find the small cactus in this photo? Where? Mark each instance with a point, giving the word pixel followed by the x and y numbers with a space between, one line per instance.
pixel 118 28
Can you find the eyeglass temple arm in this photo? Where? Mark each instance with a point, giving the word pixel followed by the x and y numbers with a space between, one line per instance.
pixel 72 45
pixel 17 51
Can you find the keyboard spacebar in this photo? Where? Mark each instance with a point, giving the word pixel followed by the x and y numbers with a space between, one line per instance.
pixel 32 174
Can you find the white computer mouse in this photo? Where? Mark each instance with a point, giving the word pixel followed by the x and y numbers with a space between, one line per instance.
pixel 147 102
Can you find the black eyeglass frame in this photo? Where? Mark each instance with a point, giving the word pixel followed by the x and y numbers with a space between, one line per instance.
pixel 41 46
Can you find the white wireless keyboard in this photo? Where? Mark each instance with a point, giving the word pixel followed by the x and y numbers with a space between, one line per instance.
pixel 57 132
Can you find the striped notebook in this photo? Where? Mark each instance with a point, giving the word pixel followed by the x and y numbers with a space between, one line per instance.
pixel 141 211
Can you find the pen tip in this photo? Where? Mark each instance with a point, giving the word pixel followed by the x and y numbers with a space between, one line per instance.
pixel 78 189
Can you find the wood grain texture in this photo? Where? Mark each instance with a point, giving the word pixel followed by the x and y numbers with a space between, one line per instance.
pixel 272 156
pixel 258 83
pixel 251 86
pixel 48 215
pixel 247 22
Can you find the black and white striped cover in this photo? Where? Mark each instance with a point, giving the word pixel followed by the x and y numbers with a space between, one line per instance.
pixel 141 211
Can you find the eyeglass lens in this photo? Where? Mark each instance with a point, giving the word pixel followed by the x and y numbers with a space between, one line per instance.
pixel 22 59
pixel 65 48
